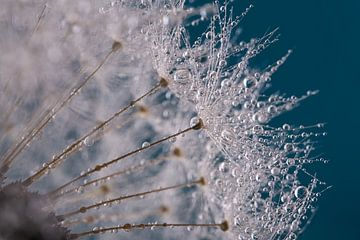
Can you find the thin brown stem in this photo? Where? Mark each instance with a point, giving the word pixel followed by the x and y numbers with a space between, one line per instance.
pixel 40 18
pixel 10 156
pixel 77 143
pixel 5 123
pixel 92 219
pixel 113 161
pixel 224 226
pixel 84 209
pixel 132 169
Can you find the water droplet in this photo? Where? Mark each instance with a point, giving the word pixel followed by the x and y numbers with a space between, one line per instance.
pixel 288 147
pixel 237 220
pixel 213 74
pixel 301 192
pixel 235 172
pixel 182 76
pixel 259 177
pixel 186 54
pixel 254 235
pixel 166 20
pixel 209 35
pixel 292 236
pixel 248 82
pixel 223 167
pixel 222 63
pixel 225 83
pixel 226 134
pixel 194 121
pixel 88 141
pixel 260 117
pixel 286 126
pixel 275 171
pixel 272 109
pixel 145 144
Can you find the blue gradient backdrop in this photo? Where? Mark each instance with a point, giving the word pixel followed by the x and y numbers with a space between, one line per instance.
pixel 325 37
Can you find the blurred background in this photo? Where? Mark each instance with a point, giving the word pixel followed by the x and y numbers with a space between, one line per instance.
pixel 325 37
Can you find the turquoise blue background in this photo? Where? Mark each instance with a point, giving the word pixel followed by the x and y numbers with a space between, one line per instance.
pixel 325 37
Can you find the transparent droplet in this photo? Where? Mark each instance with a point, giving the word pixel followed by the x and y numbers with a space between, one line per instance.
pixel 275 171
pixel 272 109
pixel 260 117
pixel 213 74
pixel 166 20
pixel 145 144
pixel 237 220
pixel 88 141
pixel 301 192
pixel 225 83
pixel 223 167
pixel 248 82
pixel 194 121
pixel 292 236
pixel 288 147
pixel 235 172
pixel 259 177
pixel 182 76
pixel 254 235
pixel 226 134
pixel 286 126
pixel 222 63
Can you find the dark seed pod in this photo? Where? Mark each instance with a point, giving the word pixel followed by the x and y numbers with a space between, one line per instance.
pixel 25 216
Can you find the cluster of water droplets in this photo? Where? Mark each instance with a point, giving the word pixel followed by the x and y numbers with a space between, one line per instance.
pixel 267 190
pixel 257 171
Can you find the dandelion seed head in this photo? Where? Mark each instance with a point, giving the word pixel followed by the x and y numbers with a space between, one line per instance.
pixel 131 124
pixel 18 208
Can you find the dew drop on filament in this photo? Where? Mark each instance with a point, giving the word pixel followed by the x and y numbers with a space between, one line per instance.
pixel 182 76
pixel 194 121
pixel 145 144
pixel 301 192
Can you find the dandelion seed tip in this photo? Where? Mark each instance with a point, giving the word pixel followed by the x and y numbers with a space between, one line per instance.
pixel 127 226
pixel 199 125
pixel 163 82
pixel 142 109
pixel 177 152
pixel 202 181
pixel 164 209
pixel 116 46
pixel 89 219
pixel 105 189
pixel 97 168
pixel 224 226
pixel 82 209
